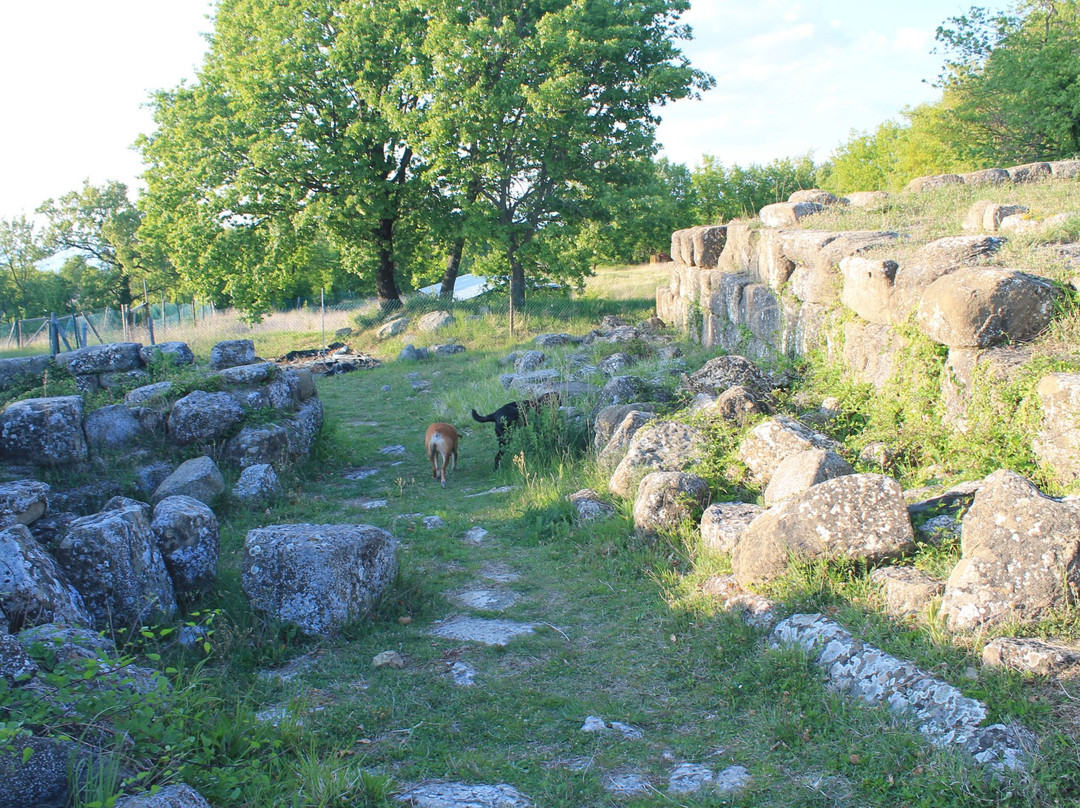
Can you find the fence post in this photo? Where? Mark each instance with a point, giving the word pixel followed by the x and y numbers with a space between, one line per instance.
pixel 54 335
pixel 194 317
pixel 18 333
pixel 322 307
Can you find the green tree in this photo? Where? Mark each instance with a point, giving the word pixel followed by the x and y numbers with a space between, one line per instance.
pixel 292 136
pixel 539 105
pixel 721 194
pixel 20 250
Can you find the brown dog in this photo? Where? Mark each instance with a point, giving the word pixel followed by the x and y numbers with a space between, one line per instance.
pixel 441 441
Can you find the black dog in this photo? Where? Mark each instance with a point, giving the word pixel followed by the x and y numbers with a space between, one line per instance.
pixel 512 414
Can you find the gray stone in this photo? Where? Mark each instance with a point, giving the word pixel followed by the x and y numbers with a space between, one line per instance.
pixel 113 560
pixel 772 441
pixel 33 588
pixel 615 449
pixel 1020 555
pixel 257 485
pixel 393 328
pixel 449 349
pixel 723 523
pixel 411 353
pixel 462 795
pixel 22 369
pixel 666 499
pixel 724 372
pixel 199 478
pixel 22 501
pixel 1064 169
pixel 616 363
pixel 814 195
pixel 987 215
pixel 486 600
pixel 737 405
pixel 590 505
pixel 304 427
pixel 529 360
pixel 931 183
pixel 475 629
pixel 867 289
pixel 317 577
pixel 788 214
pixel 188 536
pixel 1057 443
pixel 40 780
pixel 150 395
pixel 1032 655
pixel 44 431
pixel 608 419
pixel 690 778
pixel 981 306
pixel 433 321
pixel 986 176
pixel 799 472
pixel 907 591
pixel 657 446
pixel 111 428
pixel 202 417
pixel 231 353
pixel 150 476
pixel 85 499
pixel 1030 172
pixel 171 796
pixel 15 663
pixel 857 516
pixel 554 340
pixel 174 353
pixel 867 199
pixel 113 357
pixel 622 390
pixel 254 373
pixel 257 445
pixel 756 611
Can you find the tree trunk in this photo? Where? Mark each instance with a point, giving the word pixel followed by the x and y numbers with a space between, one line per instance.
pixel 385 283
pixel 449 277
pixel 517 282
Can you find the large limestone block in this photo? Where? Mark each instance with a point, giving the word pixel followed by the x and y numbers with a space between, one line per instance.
pixel 981 306
pixel 113 560
pixel 622 390
pixel 788 214
pixel 22 501
pixel 867 199
pixel 814 195
pixel 772 441
pixel 174 353
pixel 114 357
pixel 723 523
pixel 870 351
pixel 256 445
pixel 318 577
pixel 111 429
pixel 1032 655
pixel 986 176
pixel 724 372
pixel 22 368
pixel 188 536
pixel 177 795
pixel 1020 555
pixel 666 499
pixel 1057 444
pixel 231 353
pixel 857 516
pixel 44 431
pixel 907 591
pixel 657 446
pixel 609 418
pixel 740 253
pixel 934 260
pixel 304 427
pixel 707 243
pixel 1030 172
pixel 868 287
pixel 33 589
pixel 257 484
pixel 434 321
pixel 971 373
pixel 199 478
pixel 254 373
pixel 799 472
pixel 988 215
pixel 619 441
pixel 202 417
pixel 920 184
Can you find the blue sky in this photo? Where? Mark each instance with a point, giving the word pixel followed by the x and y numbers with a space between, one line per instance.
pixel 792 77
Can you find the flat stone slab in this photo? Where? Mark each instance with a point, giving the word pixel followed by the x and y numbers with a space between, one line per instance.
pixel 462 795
pixel 474 629
pixel 502 489
pixel 627 785
pixel 492 600
pixel 475 535
pixel 464 675
pixel 499 573
pixel 397 449
pixel 360 474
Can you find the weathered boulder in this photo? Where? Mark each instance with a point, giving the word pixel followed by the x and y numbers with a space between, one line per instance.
pixel 84 499
pixel 113 560
pixel 554 340
pixel 920 184
pixel 113 357
pixel 799 472
pixel 22 369
pixel 614 364
pixel 871 351
pixel 304 427
pixel 149 476
pixel 150 395
pixel 1032 655
pixel 111 428
pixel 907 591
pixel 590 505
pixel 737 404
pixel 986 176
pixel 529 383
pixel 814 195
pixel 622 390
pixel 199 478
pixel 666 499
pixel 770 442
pixel 657 446
pixel 867 199
pixel 1020 555
pixel 22 501
pixel 44 431
pixel 868 287
pixel 934 260
pixel 1057 443
pixel 33 589
pixel 433 321
pixel 40 777
pixel 1030 172
pixel 857 516
pixel 724 372
pixel 723 523
pixel 615 450
pixel 257 484
pixel 529 361
pixel 188 536
pixel 254 373
pixel 977 374
pixel 410 353
pixel 201 417
pixel 1064 169
pixel 175 353
pixel 394 328
pixel 172 796
pixel 15 663
pixel 980 306
pixel 317 577
pixel 609 418
pixel 788 214
pixel 987 215
pixel 67 643
pixel 257 445
pixel 231 353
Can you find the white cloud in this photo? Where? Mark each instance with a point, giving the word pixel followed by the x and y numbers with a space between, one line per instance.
pixel 913 39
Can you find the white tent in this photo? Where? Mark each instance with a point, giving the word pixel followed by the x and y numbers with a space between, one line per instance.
pixel 466 287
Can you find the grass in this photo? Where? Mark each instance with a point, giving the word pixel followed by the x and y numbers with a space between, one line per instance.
pixel 622 630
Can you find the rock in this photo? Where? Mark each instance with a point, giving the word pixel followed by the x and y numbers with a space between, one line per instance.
pixel 33 589
pixel 867 288
pixel 113 357
pixel 317 577
pixel 1030 172
pixel 867 199
pixel 798 472
pixel 788 214
pixel 188 536
pixel 1031 655
pixel 389 659
pixel 461 795
pixel 724 372
pixel 393 328
pixel 907 590
pixel 113 560
pixel 15 663
pixel 619 442
pixel 987 176
pixel 23 369
pixel 202 418
pixel 85 499
pixel 857 516
pixel 590 505
pixel 609 418
pixel 689 778
pixel 554 340
pixel 530 383
pixel 935 260
pixel 737 405
pixel 22 501
pixel 449 349
pixel 150 395
pixel 920 184
pixel 172 796
pixel 150 476
pixel 40 780
pixel 174 353
pixel 304 427
pixel 723 523
pixel 232 353
pixel 622 390
pixel 67 643
pixel 199 478
pixel 657 446
pixel 111 429
pixel 410 353
pixel 257 484
pixel 44 431
pixel 987 215
pixel 770 442
pixel 1020 555
pixel 615 363
pixel 880 454
pixel 433 321
pixel 1057 443
pixel 246 375
pixel 529 361
pixel 980 306
pixel 823 198
pixel 257 445
pixel 666 499
pixel 1064 169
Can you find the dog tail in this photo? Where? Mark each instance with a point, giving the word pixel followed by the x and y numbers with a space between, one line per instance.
pixel 484 419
